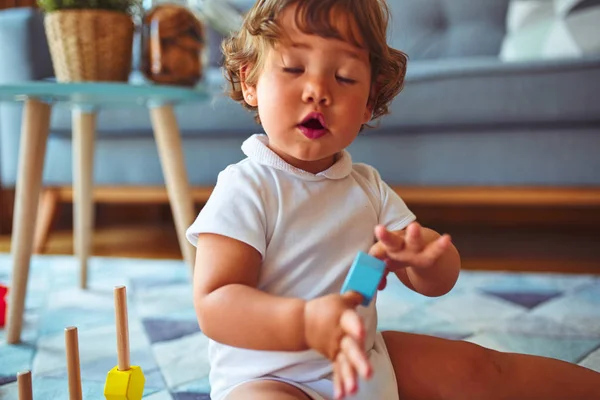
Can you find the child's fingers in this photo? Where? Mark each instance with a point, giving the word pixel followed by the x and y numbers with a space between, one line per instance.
pixel 383 282
pixel 348 374
pixel 378 250
pixel 393 242
pixel 414 238
pixel 433 251
pixel 356 356
pixel 352 299
pixel 338 387
pixel 352 325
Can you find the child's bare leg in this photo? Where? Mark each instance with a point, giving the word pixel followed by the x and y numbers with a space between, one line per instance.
pixel 430 368
pixel 267 390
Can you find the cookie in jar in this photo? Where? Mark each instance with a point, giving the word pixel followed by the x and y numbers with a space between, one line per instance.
pixel 172 44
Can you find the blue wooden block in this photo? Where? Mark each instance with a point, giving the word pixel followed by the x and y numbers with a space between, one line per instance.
pixel 364 276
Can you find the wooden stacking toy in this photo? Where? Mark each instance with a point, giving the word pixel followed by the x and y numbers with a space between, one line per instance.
pixel 364 276
pixel 124 381
pixel 24 383
pixel 73 371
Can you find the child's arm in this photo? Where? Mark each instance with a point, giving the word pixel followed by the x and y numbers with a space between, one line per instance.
pixel 423 260
pixel 232 311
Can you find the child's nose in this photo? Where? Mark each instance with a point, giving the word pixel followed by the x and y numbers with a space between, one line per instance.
pixel 316 91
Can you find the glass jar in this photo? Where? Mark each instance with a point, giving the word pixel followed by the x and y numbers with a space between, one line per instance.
pixel 172 45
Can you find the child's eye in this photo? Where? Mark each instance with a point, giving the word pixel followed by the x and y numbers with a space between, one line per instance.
pixel 293 70
pixel 345 80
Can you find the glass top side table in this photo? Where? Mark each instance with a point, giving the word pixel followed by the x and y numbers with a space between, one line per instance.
pixel 85 100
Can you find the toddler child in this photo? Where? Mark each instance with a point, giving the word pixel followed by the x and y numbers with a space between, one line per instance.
pixel 282 227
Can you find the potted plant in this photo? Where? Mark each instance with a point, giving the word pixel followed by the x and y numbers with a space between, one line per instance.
pixel 90 40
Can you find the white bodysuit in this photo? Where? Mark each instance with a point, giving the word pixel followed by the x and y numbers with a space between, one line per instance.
pixel 308 229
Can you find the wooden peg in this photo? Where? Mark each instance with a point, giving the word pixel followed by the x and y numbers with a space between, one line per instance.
pixel 74 374
pixel 122 328
pixel 24 383
pixel 124 381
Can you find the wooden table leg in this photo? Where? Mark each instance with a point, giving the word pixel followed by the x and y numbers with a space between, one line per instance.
pixel 32 153
pixel 168 141
pixel 84 131
pixel 47 210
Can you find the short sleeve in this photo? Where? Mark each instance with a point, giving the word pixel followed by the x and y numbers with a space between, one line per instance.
pixel 394 214
pixel 235 209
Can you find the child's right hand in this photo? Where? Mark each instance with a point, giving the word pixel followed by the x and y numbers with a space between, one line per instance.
pixel 334 329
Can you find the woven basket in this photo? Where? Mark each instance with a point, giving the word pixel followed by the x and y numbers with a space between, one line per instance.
pixel 90 45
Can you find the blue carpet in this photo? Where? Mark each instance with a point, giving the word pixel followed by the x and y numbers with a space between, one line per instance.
pixel 546 314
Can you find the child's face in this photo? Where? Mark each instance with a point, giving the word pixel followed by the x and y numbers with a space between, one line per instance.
pixel 312 96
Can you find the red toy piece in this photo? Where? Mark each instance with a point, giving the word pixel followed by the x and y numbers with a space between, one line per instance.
pixel 3 308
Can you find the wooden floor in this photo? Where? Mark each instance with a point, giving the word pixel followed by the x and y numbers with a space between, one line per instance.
pixel 555 231
pixel 550 250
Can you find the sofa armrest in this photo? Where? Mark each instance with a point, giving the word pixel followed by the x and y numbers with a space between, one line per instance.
pixel 24 52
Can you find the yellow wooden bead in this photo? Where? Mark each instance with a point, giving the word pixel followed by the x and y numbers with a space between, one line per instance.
pixel 124 385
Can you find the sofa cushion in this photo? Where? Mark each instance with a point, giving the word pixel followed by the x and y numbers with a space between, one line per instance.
pixel 221 16
pixel 426 29
pixel 24 52
pixel 218 117
pixel 561 156
pixel 543 29
pixel 483 91
pixel 439 94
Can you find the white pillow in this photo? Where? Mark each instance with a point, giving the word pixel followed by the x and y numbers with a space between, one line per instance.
pixel 550 29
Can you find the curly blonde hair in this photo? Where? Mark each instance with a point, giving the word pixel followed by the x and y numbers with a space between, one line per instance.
pixel 260 31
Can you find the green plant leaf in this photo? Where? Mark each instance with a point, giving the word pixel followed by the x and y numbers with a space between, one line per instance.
pixel 131 7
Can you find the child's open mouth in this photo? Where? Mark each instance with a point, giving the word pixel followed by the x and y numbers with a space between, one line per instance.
pixel 313 126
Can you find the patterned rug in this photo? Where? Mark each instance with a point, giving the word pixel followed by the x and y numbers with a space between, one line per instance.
pixel 547 314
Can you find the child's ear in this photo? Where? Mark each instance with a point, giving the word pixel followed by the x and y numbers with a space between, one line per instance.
pixel 248 91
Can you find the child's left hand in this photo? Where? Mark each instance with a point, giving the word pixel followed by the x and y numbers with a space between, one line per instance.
pixel 407 248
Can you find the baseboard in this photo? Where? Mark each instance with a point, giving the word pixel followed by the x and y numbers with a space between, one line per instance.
pixel 415 195
pixel 465 206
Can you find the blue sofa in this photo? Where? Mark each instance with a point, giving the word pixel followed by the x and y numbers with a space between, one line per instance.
pixel 465 118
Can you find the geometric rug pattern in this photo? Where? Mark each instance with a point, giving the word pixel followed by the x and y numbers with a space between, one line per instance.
pixel 554 315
